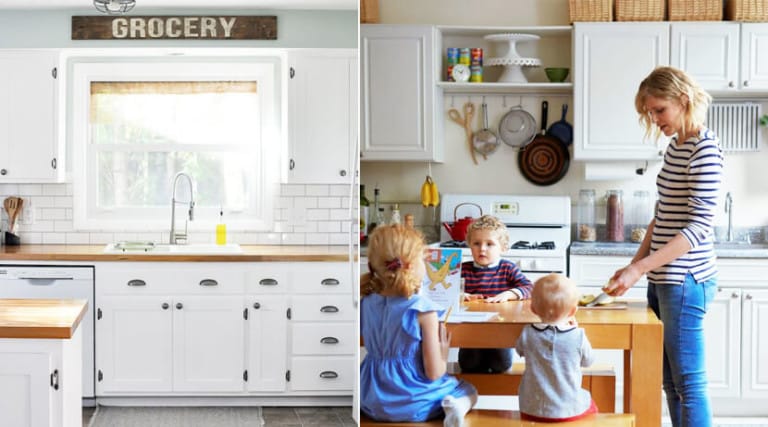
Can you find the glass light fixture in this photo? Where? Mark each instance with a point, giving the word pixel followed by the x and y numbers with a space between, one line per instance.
pixel 114 7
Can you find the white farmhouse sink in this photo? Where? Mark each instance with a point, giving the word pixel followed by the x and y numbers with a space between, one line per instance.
pixel 167 249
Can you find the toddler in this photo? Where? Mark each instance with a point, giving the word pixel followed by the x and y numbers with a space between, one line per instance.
pixel 554 351
pixel 492 279
pixel 403 376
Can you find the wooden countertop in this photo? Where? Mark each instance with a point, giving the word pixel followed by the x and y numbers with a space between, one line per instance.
pixel 40 318
pixel 250 253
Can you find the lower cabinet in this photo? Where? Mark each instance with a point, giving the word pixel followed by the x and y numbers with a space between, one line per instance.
pixel 224 329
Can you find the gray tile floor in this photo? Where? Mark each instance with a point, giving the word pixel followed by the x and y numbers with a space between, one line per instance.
pixel 290 417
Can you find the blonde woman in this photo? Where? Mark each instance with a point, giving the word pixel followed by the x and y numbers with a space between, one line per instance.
pixel 677 254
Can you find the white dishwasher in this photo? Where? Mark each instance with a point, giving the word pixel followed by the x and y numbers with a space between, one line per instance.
pixel 56 282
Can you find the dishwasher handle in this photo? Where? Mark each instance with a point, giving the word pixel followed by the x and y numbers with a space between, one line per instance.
pixel 44 277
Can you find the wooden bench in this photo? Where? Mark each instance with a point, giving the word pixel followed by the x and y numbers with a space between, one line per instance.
pixel 599 380
pixel 496 418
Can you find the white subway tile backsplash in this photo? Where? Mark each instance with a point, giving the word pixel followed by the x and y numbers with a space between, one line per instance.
pixel 304 214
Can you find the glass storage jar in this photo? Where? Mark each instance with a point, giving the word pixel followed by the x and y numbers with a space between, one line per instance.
pixel 641 215
pixel 586 230
pixel 614 217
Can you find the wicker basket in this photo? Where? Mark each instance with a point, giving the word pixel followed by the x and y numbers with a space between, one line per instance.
pixel 747 10
pixel 639 10
pixel 695 10
pixel 590 10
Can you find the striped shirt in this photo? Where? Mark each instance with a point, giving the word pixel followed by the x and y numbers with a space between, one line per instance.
pixel 688 185
pixel 495 279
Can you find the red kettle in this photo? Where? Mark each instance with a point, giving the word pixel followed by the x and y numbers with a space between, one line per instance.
pixel 458 229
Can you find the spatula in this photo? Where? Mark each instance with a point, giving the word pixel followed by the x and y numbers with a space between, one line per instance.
pixel 10 204
pixel 19 207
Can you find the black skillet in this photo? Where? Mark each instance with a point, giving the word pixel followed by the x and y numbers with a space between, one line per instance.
pixel 546 159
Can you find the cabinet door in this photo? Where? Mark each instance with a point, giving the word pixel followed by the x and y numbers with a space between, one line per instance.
pixel 26 396
pixel 323 106
pixel 755 343
pixel 28 131
pixel 267 342
pixel 722 329
pixel 134 344
pixel 208 347
pixel 610 61
pixel 591 270
pixel 709 52
pixel 398 95
pixel 754 56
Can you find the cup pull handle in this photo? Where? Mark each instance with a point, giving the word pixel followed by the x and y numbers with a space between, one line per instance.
pixel 208 282
pixel 328 374
pixel 268 282
pixel 329 340
pixel 137 282
pixel 330 282
pixel 329 309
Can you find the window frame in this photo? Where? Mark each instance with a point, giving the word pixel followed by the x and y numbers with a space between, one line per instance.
pixel 264 68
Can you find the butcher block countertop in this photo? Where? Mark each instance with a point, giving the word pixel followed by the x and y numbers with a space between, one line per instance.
pixel 250 253
pixel 40 318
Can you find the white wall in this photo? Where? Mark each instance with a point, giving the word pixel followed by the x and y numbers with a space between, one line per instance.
pixel 744 174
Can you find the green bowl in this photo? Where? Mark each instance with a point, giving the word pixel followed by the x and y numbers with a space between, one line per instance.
pixel 556 75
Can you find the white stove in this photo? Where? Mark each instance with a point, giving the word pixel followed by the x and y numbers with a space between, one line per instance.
pixel 539 228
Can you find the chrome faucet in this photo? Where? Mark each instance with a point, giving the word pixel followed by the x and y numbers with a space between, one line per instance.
pixel 729 211
pixel 176 237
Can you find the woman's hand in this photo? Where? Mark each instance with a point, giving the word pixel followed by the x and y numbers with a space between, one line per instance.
pixel 622 280
pixel 503 297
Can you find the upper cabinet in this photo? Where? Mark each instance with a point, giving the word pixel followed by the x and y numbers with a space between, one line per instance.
pixel 609 64
pixel 323 109
pixel 724 57
pixel 30 147
pixel 400 105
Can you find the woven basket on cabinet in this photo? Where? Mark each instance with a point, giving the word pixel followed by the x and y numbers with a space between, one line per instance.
pixel 695 10
pixel 746 10
pixel 590 10
pixel 639 10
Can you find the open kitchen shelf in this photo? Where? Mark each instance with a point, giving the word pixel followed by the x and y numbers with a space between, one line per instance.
pixel 553 48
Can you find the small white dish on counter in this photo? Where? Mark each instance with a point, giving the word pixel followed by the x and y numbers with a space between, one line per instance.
pixel 166 249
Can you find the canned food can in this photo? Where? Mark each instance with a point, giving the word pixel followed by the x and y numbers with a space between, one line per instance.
pixel 476 73
pixel 449 73
pixel 477 56
pixel 452 54
pixel 465 56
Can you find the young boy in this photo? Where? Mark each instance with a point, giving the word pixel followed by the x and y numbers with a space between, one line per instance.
pixel 492 279
pixel 550 389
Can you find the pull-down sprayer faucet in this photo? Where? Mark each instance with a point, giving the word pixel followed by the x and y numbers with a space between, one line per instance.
pixel 176 237
pixel 729 211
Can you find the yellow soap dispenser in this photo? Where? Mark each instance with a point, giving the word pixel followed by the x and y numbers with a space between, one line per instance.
pixel 221 229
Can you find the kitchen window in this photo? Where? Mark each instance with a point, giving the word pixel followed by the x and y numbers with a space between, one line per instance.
pixel 136 124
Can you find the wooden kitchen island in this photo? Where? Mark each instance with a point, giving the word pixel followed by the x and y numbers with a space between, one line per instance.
pixel 41 362
pixel 636 330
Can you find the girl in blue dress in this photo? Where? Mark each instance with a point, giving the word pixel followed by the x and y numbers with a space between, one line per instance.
pixel 403 376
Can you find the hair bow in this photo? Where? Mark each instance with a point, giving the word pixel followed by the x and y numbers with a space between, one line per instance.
pixel 394 265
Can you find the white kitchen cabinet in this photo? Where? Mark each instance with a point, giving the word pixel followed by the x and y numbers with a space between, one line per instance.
pixel 267 342
pixel 40 382
pixel 755 342
pixel 323 319
pixel 401 107
pixel 722 326
pixel 726 58
pixel 323 115
pixel 610 61
pixel 30 147
pixel 208 344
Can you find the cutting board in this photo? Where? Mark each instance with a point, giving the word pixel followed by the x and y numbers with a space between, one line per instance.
pixel 617 305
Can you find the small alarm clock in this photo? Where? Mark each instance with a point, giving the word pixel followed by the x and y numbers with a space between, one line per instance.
pixel 460 73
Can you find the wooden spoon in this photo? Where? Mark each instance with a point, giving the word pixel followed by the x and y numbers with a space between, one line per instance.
pixel 19 206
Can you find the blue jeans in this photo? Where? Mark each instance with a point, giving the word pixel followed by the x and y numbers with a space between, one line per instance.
pixel 681 309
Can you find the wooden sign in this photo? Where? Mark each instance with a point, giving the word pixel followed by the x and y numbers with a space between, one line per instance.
pixel 174 27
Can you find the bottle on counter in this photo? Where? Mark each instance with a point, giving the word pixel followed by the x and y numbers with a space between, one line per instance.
pixel 221 229
pixel 586 230
pixel 364 214
pixel 375 219
pixel 642 212
pixel 395 218
pixel 614 218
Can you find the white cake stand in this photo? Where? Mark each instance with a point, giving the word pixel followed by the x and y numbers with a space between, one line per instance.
pixel 511 60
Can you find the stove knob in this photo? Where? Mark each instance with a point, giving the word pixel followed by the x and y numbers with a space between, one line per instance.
pixel 534 265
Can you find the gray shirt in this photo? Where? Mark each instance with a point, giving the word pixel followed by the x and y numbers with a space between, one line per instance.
pixel 551 383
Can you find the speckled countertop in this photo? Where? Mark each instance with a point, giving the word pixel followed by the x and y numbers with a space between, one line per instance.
pixel 722 250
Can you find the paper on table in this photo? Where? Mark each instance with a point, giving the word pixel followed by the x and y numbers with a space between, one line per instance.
pixel 471 316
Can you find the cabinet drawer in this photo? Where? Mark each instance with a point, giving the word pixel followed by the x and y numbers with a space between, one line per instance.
pixel 321 277
pixel 596 270
pixel 163 278
pixel 322 308
pixel 323 373
pixel 323 338
pixel 270 278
